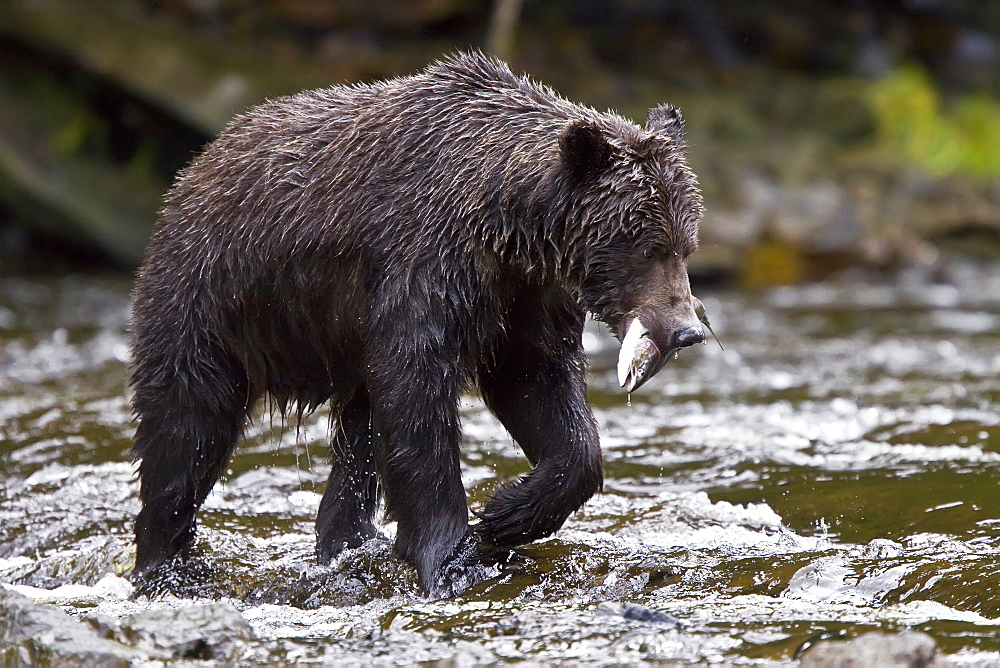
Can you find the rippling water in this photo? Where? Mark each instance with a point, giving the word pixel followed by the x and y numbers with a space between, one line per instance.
pixel 834 470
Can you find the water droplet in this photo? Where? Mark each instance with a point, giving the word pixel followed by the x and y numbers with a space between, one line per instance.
pixel 676 355
pixel 628 400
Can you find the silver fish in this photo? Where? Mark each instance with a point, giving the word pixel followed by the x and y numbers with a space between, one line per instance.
pixel 639 358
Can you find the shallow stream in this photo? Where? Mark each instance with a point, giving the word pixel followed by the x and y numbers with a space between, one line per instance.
pixel 835 469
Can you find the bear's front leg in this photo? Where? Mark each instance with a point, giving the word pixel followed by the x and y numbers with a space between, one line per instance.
pixel 537 388
pixel 413 386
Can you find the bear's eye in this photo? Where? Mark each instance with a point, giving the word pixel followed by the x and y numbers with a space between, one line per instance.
pixel 647 253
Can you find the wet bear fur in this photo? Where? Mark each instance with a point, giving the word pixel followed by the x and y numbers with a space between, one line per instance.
pixel 383 248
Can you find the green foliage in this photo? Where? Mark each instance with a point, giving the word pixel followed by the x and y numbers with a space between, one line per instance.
pixel 963 136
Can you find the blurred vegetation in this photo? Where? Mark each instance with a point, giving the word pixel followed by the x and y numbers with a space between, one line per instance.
pixel 825 134
pixel 964 137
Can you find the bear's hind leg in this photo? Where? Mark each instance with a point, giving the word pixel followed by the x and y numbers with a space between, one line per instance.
pixel 181 455
pixel 346 515
pixel 191 409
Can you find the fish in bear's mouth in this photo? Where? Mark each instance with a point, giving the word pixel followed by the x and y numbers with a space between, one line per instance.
pixel 640 358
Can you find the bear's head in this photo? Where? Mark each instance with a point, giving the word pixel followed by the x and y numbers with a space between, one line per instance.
pixel 637 210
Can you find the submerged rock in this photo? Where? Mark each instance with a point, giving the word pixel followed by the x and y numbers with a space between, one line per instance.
pixel 32 634
pixel 894 650
pixel 637 613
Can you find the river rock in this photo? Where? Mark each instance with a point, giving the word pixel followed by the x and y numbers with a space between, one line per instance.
pixel 32 634
pixel 215 632
pixel 908 649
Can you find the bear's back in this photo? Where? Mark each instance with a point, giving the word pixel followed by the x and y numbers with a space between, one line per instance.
pixel 431 152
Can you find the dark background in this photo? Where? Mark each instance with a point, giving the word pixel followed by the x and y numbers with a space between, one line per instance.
pixel 826 134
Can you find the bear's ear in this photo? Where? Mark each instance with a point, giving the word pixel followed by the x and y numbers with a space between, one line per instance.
pixel 584 149
pixel 666 119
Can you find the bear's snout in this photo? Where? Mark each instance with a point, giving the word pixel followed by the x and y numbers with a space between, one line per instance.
pixel 687 337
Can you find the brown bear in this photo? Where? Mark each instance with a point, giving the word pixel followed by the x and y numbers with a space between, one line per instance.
pixel 383 248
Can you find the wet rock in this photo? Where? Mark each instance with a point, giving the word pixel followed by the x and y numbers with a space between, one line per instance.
pixel 636 613
pixel 214 632
pixel 468 655
pixel 33 634
pixel 74 595
pixel 358 577
pixel 509 626
pixel 896 650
